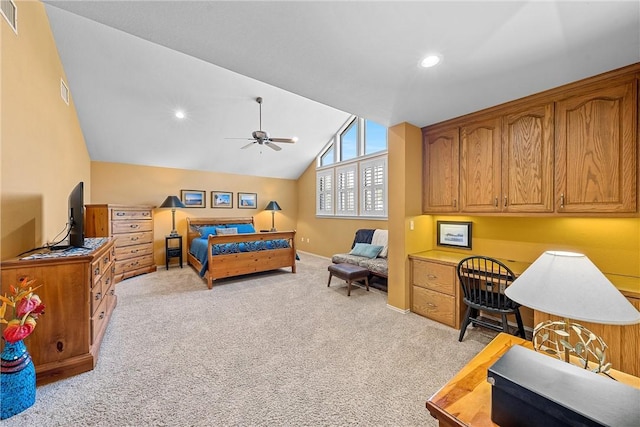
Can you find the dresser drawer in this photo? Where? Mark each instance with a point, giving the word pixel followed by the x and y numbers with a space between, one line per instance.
pixel 434 276
pixel 434 305
pixel 133 264
pixel 133 239
pixel 120 227
pixel 98 319
pixel 129 214
pixel 133 251
pixel 96 296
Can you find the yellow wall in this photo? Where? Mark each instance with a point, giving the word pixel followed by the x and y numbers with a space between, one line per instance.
pixel 613 244
pixel 42 152
pixel 120 183
pixel 326 236
pixel 405 202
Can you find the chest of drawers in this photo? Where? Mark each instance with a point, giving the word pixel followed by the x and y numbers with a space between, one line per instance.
pixel 131 227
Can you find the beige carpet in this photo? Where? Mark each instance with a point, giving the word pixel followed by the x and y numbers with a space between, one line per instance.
pixel 276 349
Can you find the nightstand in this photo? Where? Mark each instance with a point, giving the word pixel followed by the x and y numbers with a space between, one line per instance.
pixel 173 248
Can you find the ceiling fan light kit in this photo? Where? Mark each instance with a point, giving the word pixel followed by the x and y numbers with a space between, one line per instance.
pixel 262 137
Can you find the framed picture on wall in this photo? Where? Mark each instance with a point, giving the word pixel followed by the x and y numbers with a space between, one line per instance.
pixel 456 234
pixel 247 200
pixel 221 199
pixel 193 198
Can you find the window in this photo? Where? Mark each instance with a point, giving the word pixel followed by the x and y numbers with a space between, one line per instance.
pixel 324 192
pixel 10 13
pixel 328 157
pixel 346 191
pixel 349 142
pixel 373 181
pixel 375 137
pixel 351 179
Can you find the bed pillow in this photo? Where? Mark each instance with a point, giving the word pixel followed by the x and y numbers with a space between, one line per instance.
pixel 205 231
pixel 243 228
pixel 366 250
pixel 223 231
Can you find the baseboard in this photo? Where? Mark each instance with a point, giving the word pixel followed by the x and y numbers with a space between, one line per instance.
pixel 312 254
pixel 399 310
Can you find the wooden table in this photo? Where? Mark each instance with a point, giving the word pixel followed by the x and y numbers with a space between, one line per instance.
pixel 466 399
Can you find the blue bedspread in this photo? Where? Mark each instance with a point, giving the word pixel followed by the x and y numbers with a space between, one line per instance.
pixel 199 249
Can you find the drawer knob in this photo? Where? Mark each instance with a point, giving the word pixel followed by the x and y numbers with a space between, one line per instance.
pixel 101 315
pixel 432 276
pixel 96 271
pixel 134 226
pixel 98 295
pixel 145 214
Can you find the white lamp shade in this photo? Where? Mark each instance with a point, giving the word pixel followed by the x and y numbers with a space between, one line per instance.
pixel 569 285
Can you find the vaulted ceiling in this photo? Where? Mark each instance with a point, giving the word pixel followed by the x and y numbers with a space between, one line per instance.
pixel 131 64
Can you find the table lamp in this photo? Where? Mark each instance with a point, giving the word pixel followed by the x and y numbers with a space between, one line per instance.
pixel 172 202
pixel 569 285
pixel 273 207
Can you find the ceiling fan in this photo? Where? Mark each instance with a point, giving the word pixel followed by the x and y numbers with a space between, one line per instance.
pixel 262 137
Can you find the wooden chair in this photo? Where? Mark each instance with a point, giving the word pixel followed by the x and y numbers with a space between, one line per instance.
pixel 483 282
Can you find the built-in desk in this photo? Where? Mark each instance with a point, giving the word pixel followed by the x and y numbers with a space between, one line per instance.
pixel 466 399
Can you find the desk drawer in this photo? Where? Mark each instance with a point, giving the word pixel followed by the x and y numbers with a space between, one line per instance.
pixel 434 276
pixel 434 305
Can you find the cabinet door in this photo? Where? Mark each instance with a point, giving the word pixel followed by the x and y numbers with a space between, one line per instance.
pixel 480 146
pixel 596 158
pixel 527 160
pixel 441 166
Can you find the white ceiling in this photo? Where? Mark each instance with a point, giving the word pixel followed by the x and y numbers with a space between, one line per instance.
pixel 130 64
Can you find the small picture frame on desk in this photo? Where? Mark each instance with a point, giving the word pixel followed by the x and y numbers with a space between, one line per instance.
pixel 455 234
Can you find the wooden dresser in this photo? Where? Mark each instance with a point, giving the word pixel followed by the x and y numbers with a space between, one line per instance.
pixel 77 289
pixel 132 229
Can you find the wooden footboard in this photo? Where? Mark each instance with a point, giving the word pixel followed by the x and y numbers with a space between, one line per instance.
pixel 229 265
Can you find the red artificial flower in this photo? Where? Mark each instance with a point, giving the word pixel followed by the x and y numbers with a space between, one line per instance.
pixel 16 331
pixel 29 305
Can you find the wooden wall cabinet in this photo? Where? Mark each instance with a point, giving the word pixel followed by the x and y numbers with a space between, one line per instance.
pixel 480 170
pixel 596 152
pixel 570 150
pixel 441 170
pixel 78 293
pixel 527 160
pixel 131 227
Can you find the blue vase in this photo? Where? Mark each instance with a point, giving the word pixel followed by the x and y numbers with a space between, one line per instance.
pixel 17 379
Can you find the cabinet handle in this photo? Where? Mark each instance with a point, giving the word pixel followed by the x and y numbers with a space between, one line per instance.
pixel 98 295
pixel 120 214
pixel 505 201
pixel 96 272
pixel 562 201
pixel 134 226
pixel 134 251
pixel 112 292
pixel 431 305
pixel 495 202
pixel 133 239
pixel 145 214
pixel 101 315
pixel 431 276
pixel 455 203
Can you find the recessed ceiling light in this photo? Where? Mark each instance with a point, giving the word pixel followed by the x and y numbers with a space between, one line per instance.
pixel 180 114
pixel 430 61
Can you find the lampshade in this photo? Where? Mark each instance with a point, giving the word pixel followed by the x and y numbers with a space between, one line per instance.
pixel 172 202
pixel 273 206
pixel 569 285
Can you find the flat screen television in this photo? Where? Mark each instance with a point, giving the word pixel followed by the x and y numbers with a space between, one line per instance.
pixel 76 216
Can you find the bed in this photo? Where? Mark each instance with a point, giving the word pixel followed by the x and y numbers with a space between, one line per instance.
pixel 215 255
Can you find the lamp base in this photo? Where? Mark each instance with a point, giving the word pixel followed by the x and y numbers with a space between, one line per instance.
pixel 572 343
pixel 273 229
pixel 173 233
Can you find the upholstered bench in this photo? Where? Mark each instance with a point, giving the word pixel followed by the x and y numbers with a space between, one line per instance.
pixel 349 273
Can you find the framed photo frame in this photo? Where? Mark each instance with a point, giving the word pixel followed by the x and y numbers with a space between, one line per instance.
pixel 193 198
pixel 247 200
pixel 455 234
pixel 222 199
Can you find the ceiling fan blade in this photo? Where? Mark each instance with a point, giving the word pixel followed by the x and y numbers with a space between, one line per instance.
pixel 272 146
pixel 248 145
pixel 246 139
pixel 286 140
